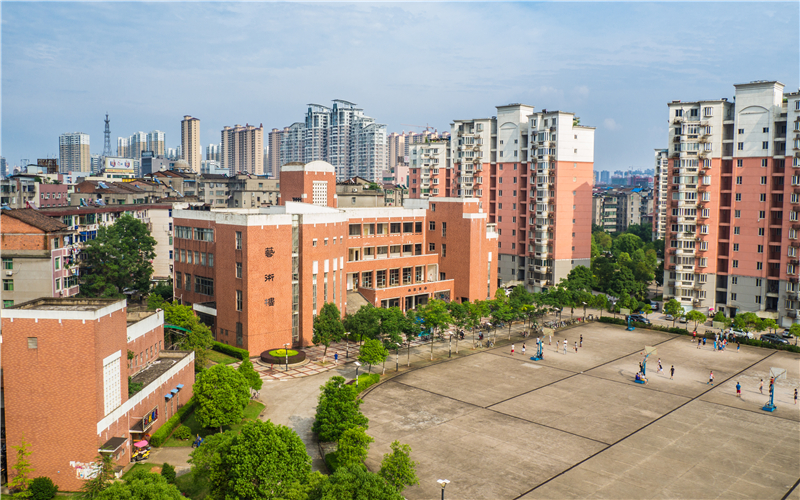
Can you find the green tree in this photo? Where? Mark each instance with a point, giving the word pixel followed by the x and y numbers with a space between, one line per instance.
pixel 795 330
pixel 600 301
pixel 697 317
pixel 118 259
pixel 603 240
pixel 435 317
pixel 769 324
pixel 647 309
pixel 43 488
pixel 261 462
pixel 397 468
pixel 580 278
pixel 500 310
pixel 643 231
pixel 164 289
pixel 141 485
pixel 355 483
pixel 328 327
pixel 92 488
pixel 168 473
pixel 221 394
pixel 199 337
pixel 20 478
pixel 627 243
pixel 673 308
pixel 337 410
pixel 364 323
pixel 353 447
pixel 721 318
pixel 250 374
pixel 209 456
pixel 372 352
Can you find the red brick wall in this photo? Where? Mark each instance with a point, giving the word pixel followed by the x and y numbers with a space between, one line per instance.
pixel 145 349
pixel 17 235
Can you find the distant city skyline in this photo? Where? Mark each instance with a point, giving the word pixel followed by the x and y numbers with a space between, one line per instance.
pixel 617 69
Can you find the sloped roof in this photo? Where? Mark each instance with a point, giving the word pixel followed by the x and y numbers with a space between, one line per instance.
pixel 36 219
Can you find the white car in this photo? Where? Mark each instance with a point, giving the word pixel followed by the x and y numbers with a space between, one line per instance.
pixel 741 333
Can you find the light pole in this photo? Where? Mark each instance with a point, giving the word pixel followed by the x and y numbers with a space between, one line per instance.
pixel 613 301
pixel 396 356
pixel 357 366
pixel 584 310
pixel 346 345
pixel 286 352
pixel 443 483
pixel 450 346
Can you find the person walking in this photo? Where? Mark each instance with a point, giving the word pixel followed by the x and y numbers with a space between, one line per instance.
pixel 576 347
pixel 523 349
pixel 512 349
pixel 710 378
pixel 336 358
pixel 795 395
pixel 698 343
pixel 738 346
pixel 565 347
pixel 761 386
pixel 671 371
pixel 660 368
pixel 738 390
pixel 551 339
pixel 581 340
pixel 704 341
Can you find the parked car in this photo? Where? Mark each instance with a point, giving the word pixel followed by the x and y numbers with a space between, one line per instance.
pixel 654 305
pixel 741 333
pixel 640 319
pixel 683 319
pixel 771 337
pixel 785 334
pixel 669 317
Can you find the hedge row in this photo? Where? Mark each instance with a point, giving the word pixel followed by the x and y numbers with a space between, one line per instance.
pixel 161 435
pixel 231 351
pixel 367 380
pixel 683 331
pixel 332 461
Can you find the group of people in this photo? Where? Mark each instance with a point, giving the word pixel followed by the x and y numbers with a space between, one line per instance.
pixel 719 343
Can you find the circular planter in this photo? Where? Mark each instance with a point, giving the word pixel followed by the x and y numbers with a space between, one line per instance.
pixel 266 357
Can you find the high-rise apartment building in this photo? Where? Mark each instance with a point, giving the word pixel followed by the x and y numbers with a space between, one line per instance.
pixel 190 142
pixel 732 219
pixel 532 173
pixel 212 152
pixel 660 181
pixel 273 165
pixel 242 149
pixel 155 142
pixel 341 135
pixel 73 152
pixel 123 150
pixel 137 143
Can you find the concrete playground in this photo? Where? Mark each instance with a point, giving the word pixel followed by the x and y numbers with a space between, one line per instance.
pixel 576 425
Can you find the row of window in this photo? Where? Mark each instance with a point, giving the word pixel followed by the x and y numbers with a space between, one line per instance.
pixel 202 285
pixel 194 233
pixel 197 258
pixel 144 356
pixel 408 275
pixel 384 228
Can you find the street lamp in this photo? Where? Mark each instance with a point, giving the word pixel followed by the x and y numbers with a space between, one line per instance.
pixel 443 483
pixel 396 356
pixel 450 346
pixel 613 301
pixel 286 352
pixel 357 366
pixel 584 310
pixel 346 345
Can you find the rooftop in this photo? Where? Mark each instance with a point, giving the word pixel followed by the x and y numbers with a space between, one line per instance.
pixel 65 304
pixel 36 219
pixel 165 361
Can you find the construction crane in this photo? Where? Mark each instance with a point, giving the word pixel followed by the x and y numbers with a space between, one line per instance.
pixel 426 126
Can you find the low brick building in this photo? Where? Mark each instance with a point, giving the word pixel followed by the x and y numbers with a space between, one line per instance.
pixel 259 276
pixel 66 364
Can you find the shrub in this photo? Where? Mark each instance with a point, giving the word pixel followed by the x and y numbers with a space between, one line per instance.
pixel 282 352
pixel 366 380
pixel 231 351
pixel 161 435
pixel 168 471
pixel 332 462
pixel 42 488
pixel 182 432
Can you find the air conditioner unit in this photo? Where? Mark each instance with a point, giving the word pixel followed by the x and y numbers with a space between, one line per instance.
pixel 171 267
pixel 355 190
pixel 9 272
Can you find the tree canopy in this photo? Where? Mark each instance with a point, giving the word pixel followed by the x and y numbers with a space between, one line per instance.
pixel 337 410
pixel 353 447
pixel 328 327
pixel 141 485
pixel 397 468
pixel 372 352
pixel 250 374
pixel 118 259
pixel 222 394
pixel 355 483
pixel 199 337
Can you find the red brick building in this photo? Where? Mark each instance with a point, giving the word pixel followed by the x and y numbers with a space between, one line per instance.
pixel 66 364
pixel 259 276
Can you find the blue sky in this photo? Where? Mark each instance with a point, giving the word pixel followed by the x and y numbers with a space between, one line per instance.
pixel 616 65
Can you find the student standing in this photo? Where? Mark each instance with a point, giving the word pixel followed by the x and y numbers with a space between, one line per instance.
pixel 523 349
pixel 660 368
pixel 761 386
pixel 738 390
pixel 581 340
pixel 565 347
pixel 671 371
pixel 710 378
pixel 512 349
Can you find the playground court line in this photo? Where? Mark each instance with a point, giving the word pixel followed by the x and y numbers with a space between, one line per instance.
pixel 638 430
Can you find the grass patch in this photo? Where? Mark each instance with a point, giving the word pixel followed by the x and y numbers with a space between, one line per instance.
pixel 251 412
pixel 365 380
pixel 282 352
pixel 219 358
pixel 140 465
pixel 196 488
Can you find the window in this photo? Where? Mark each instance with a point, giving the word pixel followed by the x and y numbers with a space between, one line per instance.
pixel 734 280
pixel 708 111
pixel 325 242
pixel 741 131
pixel 738 179
pixel 733 296
pixel 735 247
pixel 738 163
pixel 112 392
pixel 763 180
pixel 740 146
pixel 765 145
pixel 178 279
pixel 314 242
pixel 408 227
pixel 760 231
pixel 759 266
pixel 418 227
pixel 355 230
pixel 763 162
pixel 431 247
pixel 432 225
pixel 8 285
pixel 395 228
pixel 188 282
pixel 238 240
pixel 203 285
pixel 8 264
pixel 58 263
pixel 762 214
pixel 444 250
pixel 735 229
pixel 239 334
pixel 760 248
pixel 238 300
pixel 444 229
pixel 58 283
pixel 737 213
pixel 762 197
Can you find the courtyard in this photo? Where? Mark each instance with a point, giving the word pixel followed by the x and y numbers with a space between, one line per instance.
pixel 576 425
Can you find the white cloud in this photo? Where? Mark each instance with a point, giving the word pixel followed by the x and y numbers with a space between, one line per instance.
pixel 582 91
pixel 610 124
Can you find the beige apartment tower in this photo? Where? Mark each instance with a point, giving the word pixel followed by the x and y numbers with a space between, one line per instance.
pixel 242 149
pixel 73 152
pixel 190 142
